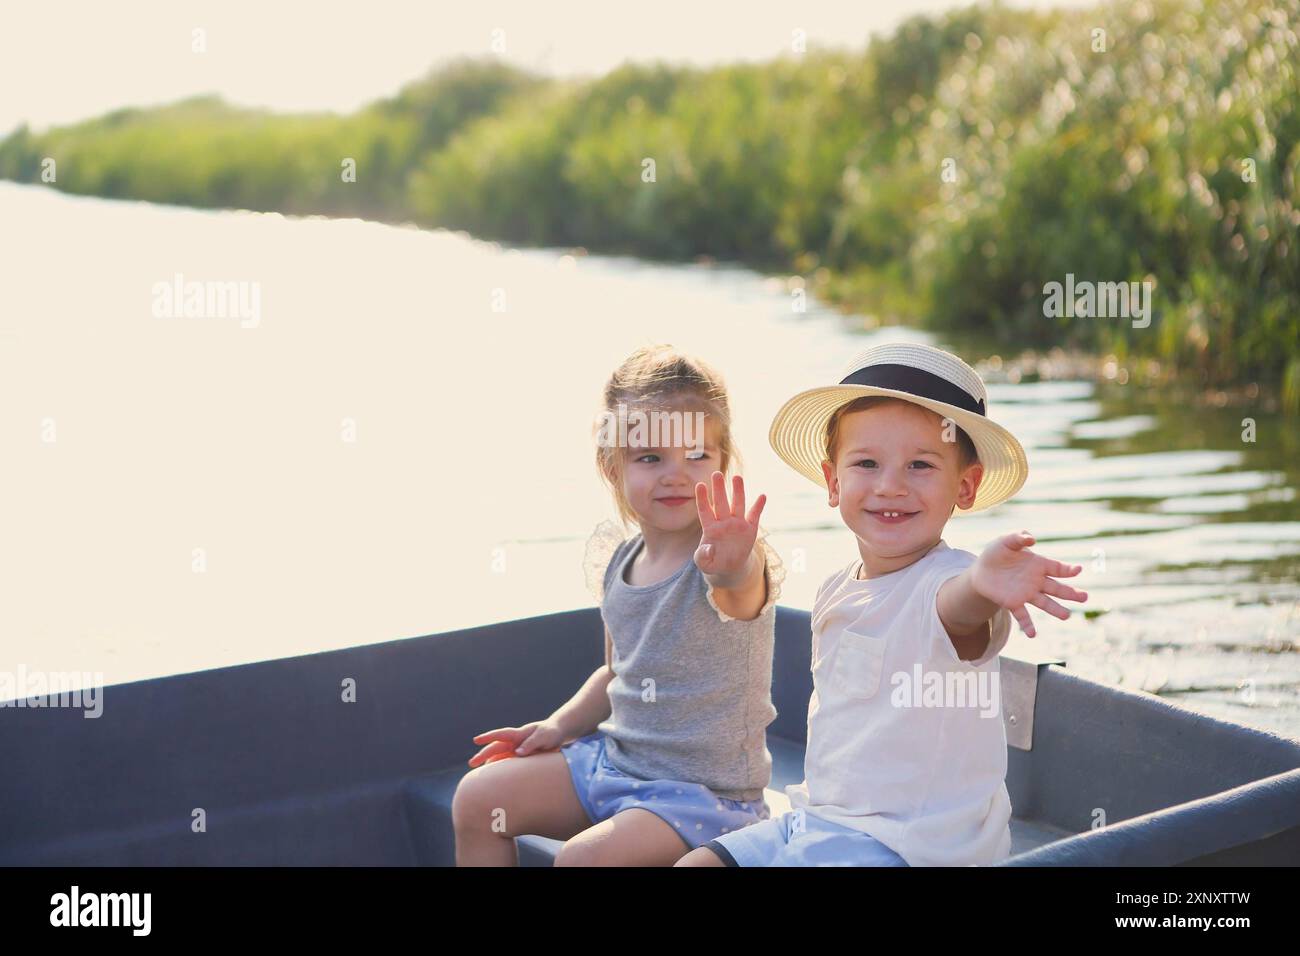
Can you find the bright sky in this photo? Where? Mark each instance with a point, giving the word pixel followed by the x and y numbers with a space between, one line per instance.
pixel 69 61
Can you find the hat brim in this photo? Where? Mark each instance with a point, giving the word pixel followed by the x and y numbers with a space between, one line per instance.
pixel 798 435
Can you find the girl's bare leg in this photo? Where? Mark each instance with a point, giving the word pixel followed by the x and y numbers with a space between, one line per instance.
pixel 629 838
pixel 504 799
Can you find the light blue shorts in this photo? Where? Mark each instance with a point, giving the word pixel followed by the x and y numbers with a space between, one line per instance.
pixel 695 812
pixel 788 840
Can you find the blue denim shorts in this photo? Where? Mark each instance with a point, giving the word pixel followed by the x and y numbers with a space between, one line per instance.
pixel 694 811
pixel 798 838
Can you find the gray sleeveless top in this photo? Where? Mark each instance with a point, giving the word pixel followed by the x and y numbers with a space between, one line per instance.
pixel 691 697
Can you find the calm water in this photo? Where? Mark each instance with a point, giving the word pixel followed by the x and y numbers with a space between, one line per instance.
pixel 139 448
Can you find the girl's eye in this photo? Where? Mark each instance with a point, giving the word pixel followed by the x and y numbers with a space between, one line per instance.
pixel 692 456
pixel 644 457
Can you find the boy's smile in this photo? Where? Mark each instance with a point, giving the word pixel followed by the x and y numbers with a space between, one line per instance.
pixel 894 516
pixel 895 481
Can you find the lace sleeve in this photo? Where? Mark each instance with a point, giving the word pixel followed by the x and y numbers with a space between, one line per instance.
pixel 602 544
pixel 775 570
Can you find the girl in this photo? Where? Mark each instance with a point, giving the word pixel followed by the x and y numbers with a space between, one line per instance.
pixel 664 747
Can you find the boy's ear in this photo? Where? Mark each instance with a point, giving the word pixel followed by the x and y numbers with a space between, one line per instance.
pixel 832 483
pixel 968 485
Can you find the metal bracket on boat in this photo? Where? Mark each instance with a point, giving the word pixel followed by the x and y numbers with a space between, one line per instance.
pixel 1019 688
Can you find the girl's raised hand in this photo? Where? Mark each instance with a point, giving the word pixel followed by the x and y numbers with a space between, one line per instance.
pixel 536 737
pixel 1011 576
pixel 728 533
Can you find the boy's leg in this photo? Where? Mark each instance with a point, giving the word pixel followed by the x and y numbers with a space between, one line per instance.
pixel 504 799
pixel 759 844
pixel 701 856
pixel 632 837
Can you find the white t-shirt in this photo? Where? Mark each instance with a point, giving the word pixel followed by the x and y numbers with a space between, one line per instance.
pixel 905 739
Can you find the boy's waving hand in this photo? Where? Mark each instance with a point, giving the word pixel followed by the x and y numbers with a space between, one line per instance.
pixel 1005 575
pixel 1009 575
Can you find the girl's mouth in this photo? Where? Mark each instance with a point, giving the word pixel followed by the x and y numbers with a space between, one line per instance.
pixel 673 502
pixel 891 517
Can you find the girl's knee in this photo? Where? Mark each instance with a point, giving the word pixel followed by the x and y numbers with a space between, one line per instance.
pixel 473 803
pixel 577 853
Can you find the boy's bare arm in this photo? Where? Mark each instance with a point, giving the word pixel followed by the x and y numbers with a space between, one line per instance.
pixel 965 614
pixel 1005 575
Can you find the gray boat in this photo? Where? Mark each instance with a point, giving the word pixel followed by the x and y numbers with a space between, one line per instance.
pixel 281 768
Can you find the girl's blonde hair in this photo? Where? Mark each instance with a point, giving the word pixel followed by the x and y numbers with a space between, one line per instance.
pixel 660 377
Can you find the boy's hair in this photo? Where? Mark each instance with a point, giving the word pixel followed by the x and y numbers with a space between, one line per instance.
pixel 660 377
pixel 966 454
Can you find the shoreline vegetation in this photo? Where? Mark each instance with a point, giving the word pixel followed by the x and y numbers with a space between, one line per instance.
pixel 942 176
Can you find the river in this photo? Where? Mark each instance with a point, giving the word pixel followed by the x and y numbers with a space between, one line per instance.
pixel 400 444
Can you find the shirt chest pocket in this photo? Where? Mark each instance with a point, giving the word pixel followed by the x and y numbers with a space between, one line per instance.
pixel 859 660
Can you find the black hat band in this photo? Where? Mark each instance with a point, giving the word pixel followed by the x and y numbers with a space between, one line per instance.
pixel 915 381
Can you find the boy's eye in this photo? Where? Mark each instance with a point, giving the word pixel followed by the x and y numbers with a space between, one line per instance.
pixel 871 463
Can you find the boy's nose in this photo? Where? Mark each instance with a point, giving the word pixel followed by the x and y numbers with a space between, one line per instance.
pixel 889 481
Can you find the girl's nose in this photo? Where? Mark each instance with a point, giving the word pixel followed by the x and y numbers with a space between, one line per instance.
pixel 676 473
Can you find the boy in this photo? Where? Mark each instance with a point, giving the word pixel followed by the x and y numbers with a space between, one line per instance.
pixel 906 757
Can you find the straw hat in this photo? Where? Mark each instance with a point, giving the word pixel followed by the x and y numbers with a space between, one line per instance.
pixel 924 375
